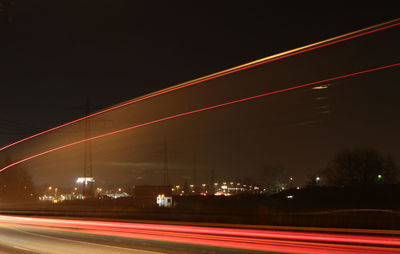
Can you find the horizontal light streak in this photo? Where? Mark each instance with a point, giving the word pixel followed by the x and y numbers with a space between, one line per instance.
pixel 253 239
pixel 197 111
pixel 286 54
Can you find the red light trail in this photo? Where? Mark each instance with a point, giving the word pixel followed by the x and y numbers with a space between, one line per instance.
pixel 273 58
pixel 199 110
pixel 241 238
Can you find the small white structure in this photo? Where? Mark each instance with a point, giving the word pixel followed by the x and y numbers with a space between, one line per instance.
pixel 163 201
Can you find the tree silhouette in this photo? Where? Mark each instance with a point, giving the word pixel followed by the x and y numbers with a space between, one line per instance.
pixel 273 178
pixel 15 184
pixel 360 167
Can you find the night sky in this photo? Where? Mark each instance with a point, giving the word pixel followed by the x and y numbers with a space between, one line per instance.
pixel 56 55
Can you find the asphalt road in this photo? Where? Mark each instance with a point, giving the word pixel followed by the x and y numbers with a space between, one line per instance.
pixel 27 240
pixel 43 235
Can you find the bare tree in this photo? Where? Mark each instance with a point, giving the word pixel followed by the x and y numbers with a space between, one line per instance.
pixel 360 167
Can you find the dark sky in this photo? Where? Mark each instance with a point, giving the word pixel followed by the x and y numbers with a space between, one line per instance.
pixel 55 54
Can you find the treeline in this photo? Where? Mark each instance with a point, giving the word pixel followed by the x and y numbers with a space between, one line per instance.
pixel 358 167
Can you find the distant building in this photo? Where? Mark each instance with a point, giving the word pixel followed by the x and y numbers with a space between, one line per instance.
pixel 163 201
pixel 149 195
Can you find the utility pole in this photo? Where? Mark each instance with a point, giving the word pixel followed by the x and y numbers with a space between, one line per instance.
pixel 88 185
pixel 195 173
pixel 165 175
pixel 212 179
pixel 87 179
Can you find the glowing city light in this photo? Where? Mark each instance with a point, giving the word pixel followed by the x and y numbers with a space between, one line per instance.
pixel 85 180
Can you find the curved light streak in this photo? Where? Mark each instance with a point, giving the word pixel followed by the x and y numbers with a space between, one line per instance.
pixel 197 111
pixel 335 40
